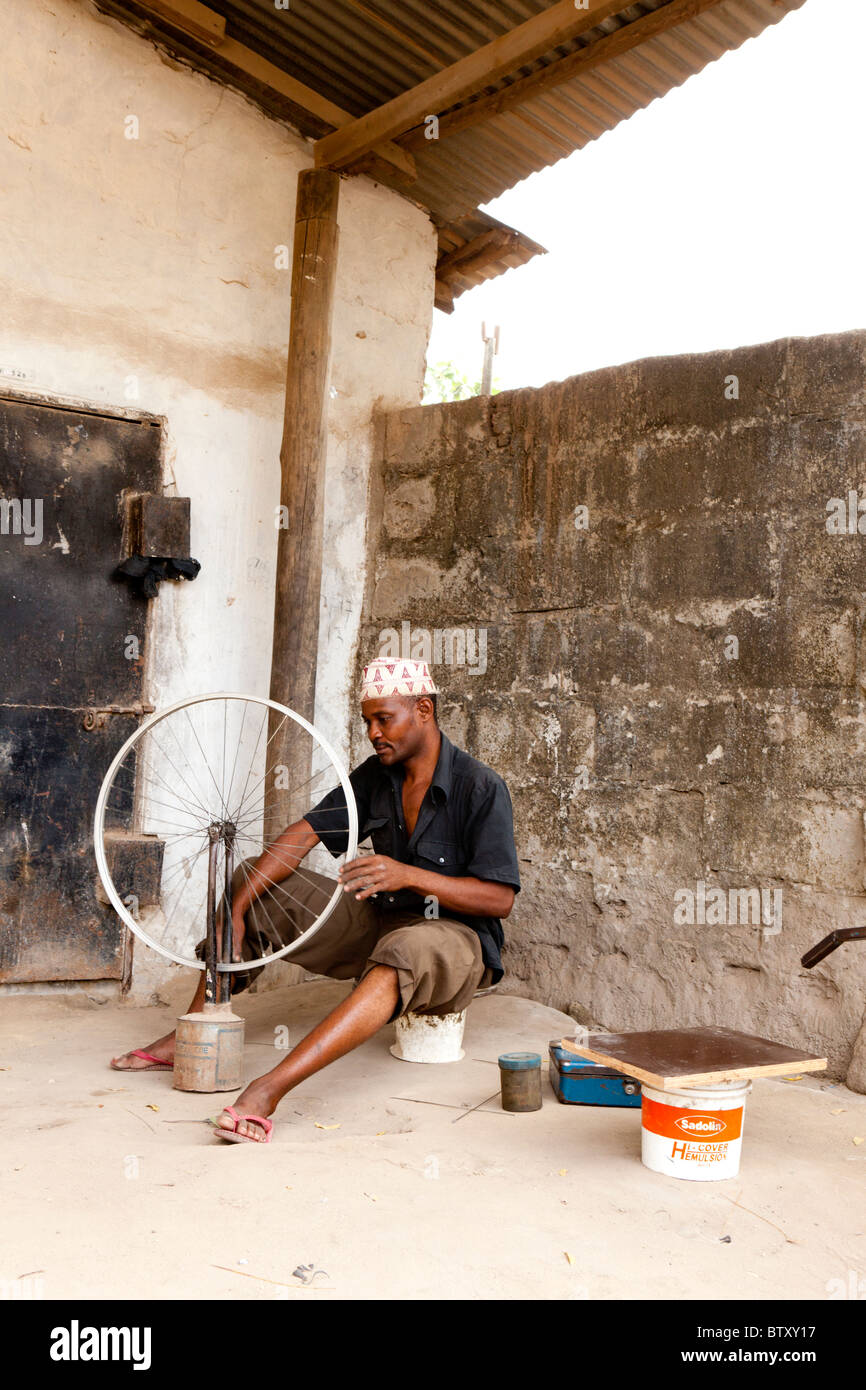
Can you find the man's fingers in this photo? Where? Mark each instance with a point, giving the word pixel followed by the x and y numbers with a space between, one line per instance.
pixel 369 885
pixel 361 875
pixel 358 866
pixel 366 876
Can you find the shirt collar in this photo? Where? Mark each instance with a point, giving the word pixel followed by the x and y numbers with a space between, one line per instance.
pixel 441 779
pixel 442 776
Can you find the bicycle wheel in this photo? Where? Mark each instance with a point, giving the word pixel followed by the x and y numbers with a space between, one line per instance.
pixel 204 763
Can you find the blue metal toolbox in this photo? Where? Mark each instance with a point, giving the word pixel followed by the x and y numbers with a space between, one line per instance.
pixel 579 1081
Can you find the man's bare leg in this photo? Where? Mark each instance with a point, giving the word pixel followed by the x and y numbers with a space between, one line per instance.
pixel 163 1048
pixel 360 1015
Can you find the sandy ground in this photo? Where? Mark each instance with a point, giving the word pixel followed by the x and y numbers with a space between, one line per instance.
pixel 112 1186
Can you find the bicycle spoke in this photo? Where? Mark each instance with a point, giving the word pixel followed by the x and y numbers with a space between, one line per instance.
pixel 202 769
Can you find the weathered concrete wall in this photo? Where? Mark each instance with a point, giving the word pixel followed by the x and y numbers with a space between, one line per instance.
pixel 674 671
pixel 143 273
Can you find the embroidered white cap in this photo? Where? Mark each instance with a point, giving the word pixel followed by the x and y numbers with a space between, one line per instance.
pixel 395 676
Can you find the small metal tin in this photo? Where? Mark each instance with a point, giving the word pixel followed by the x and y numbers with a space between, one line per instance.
pixel 520 1080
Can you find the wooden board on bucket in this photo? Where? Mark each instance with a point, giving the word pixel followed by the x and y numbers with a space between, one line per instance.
pixel 693 1056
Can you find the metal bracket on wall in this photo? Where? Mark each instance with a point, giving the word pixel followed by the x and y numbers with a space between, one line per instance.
pixel 98 718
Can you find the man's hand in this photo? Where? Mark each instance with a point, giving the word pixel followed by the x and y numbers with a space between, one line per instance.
pixel 374 873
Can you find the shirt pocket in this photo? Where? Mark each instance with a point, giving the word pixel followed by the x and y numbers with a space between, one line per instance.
pixel 442 855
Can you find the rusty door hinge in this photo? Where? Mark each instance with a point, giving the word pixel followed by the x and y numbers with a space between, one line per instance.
pixel 98 718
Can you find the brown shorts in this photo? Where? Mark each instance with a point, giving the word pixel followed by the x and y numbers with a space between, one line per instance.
pixel 438 961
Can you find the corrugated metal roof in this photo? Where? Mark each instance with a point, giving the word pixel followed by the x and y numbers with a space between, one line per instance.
pixel 456 273
pixel 361 53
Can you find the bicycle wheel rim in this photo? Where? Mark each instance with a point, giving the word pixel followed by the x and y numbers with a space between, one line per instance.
pixel 99 829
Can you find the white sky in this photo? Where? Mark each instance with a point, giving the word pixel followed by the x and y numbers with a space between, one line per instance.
pixel 730 211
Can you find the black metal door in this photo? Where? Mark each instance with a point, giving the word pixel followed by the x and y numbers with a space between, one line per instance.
pixel 71 640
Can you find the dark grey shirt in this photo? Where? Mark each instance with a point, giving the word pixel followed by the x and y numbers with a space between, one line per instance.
pixel 465 828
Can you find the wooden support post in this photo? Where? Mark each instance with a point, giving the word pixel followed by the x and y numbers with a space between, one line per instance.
pixel 302 466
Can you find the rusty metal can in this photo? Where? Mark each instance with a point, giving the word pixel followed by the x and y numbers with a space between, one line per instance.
pixel 209 1050
pixel 520 1079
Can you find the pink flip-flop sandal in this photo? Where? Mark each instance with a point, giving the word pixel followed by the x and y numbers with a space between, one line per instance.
pixel 157 1063
pixel 232 1136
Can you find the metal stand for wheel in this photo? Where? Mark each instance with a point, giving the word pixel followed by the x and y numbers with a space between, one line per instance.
pixel 209 1047
pixel 191 781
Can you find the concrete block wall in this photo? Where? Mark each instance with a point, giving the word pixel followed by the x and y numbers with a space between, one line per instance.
pixel 674 671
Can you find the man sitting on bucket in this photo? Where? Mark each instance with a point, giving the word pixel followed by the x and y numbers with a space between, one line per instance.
pixel 443 834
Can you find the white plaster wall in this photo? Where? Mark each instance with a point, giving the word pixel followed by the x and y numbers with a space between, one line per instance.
pixel 140 273
pixel 386 269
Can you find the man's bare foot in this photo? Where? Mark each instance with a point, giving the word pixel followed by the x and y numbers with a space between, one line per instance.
pixel 255 1100
pixel 163 1048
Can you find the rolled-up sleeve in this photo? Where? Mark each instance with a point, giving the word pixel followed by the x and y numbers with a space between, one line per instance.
pixel 490 835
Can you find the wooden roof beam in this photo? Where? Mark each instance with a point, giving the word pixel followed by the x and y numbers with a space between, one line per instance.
pixel 487 246
pixel 495 60
pixel 444 297
pixel 456 267
pixel 206 26
pixel 191 18
pixel 562 70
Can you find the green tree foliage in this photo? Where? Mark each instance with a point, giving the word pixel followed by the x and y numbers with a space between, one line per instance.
pixel 443 382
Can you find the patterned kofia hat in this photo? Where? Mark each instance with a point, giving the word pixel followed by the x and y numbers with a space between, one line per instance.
pixel 394 676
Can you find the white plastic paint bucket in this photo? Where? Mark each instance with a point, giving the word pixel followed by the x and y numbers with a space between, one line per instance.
pixel 429 1037
pixel 695 1132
